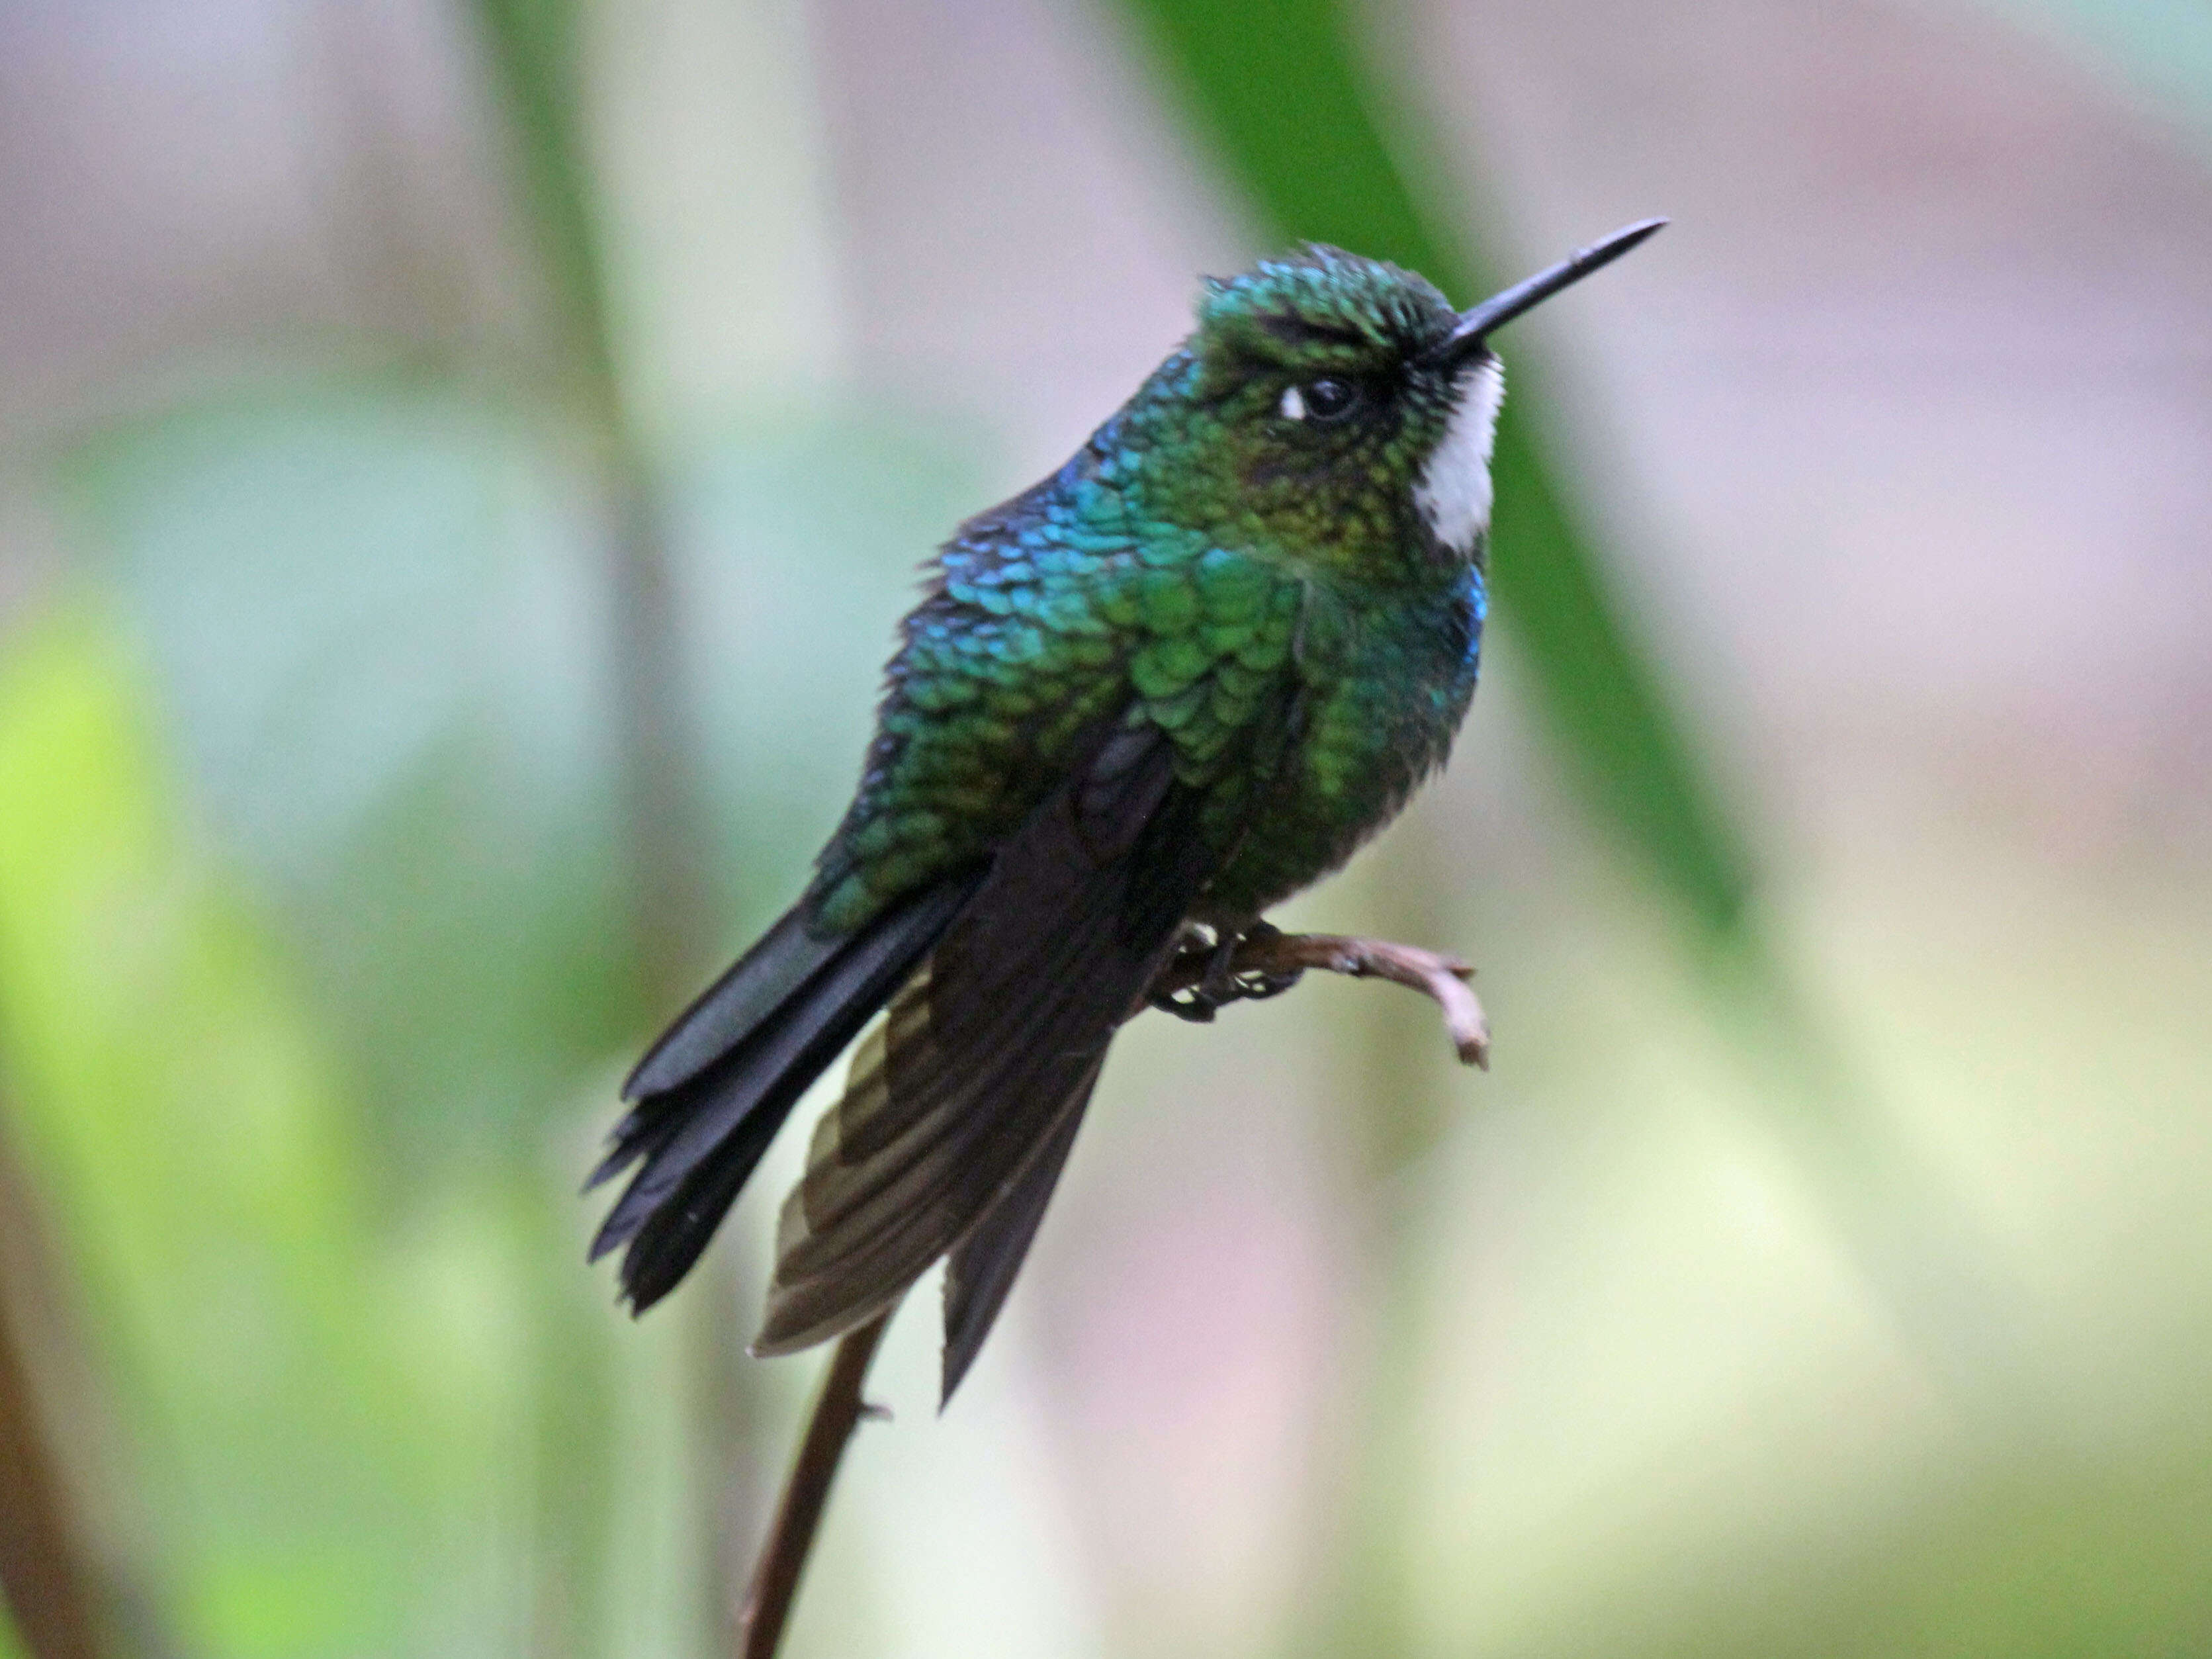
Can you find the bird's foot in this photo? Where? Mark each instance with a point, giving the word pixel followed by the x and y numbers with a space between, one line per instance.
pixel 1260 960
pixel 1187 967
pixel 1204 977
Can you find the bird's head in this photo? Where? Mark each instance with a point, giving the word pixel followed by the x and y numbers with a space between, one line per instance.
pixel 1337 410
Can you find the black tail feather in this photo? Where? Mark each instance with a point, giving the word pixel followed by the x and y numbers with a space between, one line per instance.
pixel 669 1240
pixel 723 1015
pixel 713 1093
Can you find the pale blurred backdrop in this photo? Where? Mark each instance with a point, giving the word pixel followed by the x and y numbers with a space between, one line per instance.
pixel 411 685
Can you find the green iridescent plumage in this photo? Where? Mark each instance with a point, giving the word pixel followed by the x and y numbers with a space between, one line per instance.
pixel 1263 589
pixel 1169 685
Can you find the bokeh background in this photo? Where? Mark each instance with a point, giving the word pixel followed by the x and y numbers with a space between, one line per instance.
pixel 459 469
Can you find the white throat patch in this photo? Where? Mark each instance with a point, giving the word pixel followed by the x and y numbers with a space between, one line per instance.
pixel 1454 493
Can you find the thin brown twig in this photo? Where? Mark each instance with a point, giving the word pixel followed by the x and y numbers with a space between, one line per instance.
pixel 839 1407
pixel 837 1411
pixel 1441 978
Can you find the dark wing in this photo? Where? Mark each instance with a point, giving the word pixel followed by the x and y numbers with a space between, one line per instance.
pixel 713 1093
pixel 981 1270
pixel 992 1047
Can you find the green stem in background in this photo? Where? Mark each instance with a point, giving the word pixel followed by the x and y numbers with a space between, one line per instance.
pixel 536 48
pixel 1278 90
pixel 1276 87
pixel 538 55
pixel 46 1581
pixel 671 900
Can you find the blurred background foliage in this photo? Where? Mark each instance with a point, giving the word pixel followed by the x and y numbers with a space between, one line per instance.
pixel 459 469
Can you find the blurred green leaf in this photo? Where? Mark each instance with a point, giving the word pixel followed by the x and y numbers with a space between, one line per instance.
pixel 181 1112
pixel 1276 85
pixel 373 627
pixel 376 620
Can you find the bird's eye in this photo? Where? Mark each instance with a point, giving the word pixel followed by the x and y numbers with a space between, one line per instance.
pixel 1324 399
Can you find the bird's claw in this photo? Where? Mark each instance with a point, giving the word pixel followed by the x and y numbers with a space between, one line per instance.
pixel 1222 984
pixel 1258 986
pixel 1191 1005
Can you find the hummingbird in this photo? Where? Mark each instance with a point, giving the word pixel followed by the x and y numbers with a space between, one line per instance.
pixel 1139 703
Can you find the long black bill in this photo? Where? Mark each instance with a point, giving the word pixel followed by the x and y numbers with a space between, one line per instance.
pixel 1500 309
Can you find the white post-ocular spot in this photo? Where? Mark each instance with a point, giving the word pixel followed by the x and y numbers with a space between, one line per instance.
pixel 1294 403
pixel 1454 493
